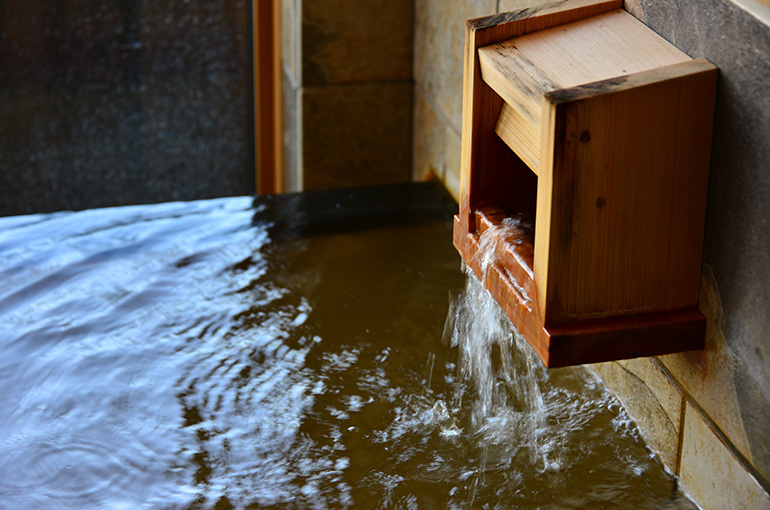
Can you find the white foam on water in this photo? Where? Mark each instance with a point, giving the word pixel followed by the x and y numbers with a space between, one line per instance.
pixel 496 361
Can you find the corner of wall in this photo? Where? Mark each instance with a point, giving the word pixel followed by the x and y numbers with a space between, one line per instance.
pixel 688 412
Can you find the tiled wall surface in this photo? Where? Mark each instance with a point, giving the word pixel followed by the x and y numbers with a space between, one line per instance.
pixel 347 92
pixel 439 38
pixel 706 414
pixel 438 81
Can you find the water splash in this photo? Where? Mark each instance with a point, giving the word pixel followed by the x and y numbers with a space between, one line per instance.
pixel 504 376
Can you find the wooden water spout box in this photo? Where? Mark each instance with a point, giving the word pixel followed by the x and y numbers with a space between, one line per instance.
pixel 578 116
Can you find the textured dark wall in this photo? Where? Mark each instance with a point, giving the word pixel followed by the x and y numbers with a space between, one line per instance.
pixel 113 102
pixel 737 244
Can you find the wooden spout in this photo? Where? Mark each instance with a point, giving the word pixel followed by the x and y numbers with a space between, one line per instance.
pixel 579 116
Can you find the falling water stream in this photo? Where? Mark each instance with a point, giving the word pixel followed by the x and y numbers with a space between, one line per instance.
pixel 241 353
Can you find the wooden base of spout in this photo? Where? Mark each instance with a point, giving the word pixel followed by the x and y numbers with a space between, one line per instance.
pixel 509 280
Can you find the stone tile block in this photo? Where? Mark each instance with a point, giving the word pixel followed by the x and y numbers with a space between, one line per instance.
pixel 711 474
pixel 356 135
pixel 436 146
pixel 708 375
pixel 347 41
pixel 292 176
pixel 650 398
pixel 429 141
pixel 452 174
pixel 439 38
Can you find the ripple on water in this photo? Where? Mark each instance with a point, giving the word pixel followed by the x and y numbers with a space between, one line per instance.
pixel 173 356
pixel 61 466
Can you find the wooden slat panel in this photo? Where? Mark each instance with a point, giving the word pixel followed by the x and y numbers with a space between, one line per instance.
pixel 520 135
pixel 584 51
pixel 518 81
pixel 505 25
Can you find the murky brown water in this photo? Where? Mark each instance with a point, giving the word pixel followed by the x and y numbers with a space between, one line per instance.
pixel 188 356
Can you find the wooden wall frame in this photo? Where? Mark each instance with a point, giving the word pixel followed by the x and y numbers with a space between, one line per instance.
pixel 268 106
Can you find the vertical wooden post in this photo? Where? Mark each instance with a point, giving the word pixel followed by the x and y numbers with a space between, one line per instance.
pixel 268 105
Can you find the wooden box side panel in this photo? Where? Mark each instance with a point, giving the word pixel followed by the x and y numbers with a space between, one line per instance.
pixel 697 105
pixel 628 181
pixel 545 213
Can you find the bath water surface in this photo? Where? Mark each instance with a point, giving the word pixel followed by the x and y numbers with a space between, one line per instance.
pixel 286 353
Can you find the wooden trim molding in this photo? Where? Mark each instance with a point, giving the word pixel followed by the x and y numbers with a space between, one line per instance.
pixel 268 104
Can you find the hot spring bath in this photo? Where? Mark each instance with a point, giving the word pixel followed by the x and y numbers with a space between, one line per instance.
pixel 286 352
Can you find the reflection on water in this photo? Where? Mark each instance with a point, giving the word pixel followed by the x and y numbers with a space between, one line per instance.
pixel 185 355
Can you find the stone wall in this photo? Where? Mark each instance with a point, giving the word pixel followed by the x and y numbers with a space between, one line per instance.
pixel 724 423
pixel 706 413
pixel 347 85
pixel 115 103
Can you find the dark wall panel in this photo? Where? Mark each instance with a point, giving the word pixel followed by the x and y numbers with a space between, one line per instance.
pixel 114 102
